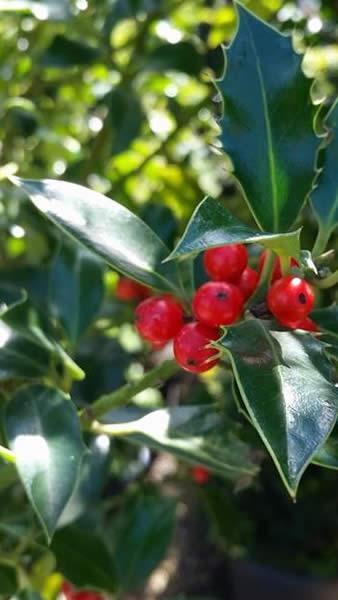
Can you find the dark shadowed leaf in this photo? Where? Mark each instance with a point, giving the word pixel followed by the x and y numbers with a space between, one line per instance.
pixel 183 57
pixel 284 381
pixel 126 117
pixel 43 431
pixel 64 52
pixel 327 318
pixel 76 289
pixel 325 196
pixel 8 580
pixel 327 455
pixel 107 228
pixel 212 225
pixel 9 297
pixel 84 559
pixel 140 536
pixel 267 128
pixel 27 594
pixel 199 434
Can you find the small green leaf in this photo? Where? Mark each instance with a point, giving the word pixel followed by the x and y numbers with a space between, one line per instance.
pixel 327 318
pixel 107 228
pixel 182 57
pixel 84 559
pixel 64 52
pixel 141 533
pixel 198 434
pixel 267 127
pixel 284 381
pixel 324 198
pixel 327 455
pixel 76 289
pixel 212 225
pixel 43 431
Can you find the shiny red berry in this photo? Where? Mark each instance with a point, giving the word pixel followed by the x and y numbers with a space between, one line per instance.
pixel 200 475
pixel 247 282
pixel 290 299
pixel 277 269
pixel 67 590
pixel 190 347
pixel 127 289
pixel 217 303
pixel 225 263
pixel 158 319
pixel 87 595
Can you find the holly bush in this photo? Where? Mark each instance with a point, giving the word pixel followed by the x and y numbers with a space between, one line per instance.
pixel 142 119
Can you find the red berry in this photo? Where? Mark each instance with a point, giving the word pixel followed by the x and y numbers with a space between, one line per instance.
pixel 290 299
pixel 67 590
pixel 277 269
pixel 217 303
pixel 247 282
pixel 127 289
pixel 190 347
pixel 225 263
pixel 87 595
pixel 200 474
pixel 158 319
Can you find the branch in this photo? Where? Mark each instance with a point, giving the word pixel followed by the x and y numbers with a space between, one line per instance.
pixel 124 394
pixel 7 455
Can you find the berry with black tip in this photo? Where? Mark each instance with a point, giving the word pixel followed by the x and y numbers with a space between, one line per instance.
pixel 217 303
pixel 290 299
pixel 159 319
pixel 191 347
pixel 225 263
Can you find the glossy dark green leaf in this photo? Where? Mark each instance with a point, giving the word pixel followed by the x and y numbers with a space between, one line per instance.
pixel 198 434
pixel 140 536
pixel 284 381
pixel 267 127
pixel 84 559
pixel 27 349
pixel 92 477
pixel 64 52
pixel 325 196
pixel 44 433
pixel 182 57
pixel 107 228
pixel 76 289
pixel 161 220
pixel 327 318
pixel 212 225
pixel 126 117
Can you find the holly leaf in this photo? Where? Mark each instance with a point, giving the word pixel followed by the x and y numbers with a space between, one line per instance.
pixel 141 533
pixel 212 225
pixel 324 198
pixel 267 127
pixel 64 53
pixel 182 57
pixel 44 433
pixel 327 455
pixel 84 559
pixel 198 434
pixel 284 382
pixel 76 289
pixel 107 228
pixel 327 319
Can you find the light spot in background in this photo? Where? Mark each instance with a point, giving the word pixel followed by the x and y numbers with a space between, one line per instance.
pixel 59 167
pixel 22 44
pixel 95 124
pixel 103 443
pixel 171 90
pixel 40 11
pixel 314 24
pixel 168 32
pixel 17 231
pixel 82 4
pixel 32 447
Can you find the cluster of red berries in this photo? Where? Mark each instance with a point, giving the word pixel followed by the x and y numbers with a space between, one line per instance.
pixel 217 303
pixel 71 593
